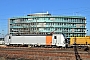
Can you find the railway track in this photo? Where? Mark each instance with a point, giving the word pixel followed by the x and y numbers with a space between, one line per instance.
pixel 35 48
pixel 40 49
pixel 40 53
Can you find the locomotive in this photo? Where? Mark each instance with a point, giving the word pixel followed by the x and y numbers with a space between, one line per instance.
pixel 54 40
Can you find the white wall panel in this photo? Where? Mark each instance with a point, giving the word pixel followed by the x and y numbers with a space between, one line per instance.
pixel 28 40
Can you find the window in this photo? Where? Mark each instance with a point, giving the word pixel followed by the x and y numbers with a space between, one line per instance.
pixel 55 37
pixel 58 23
pixel 9 37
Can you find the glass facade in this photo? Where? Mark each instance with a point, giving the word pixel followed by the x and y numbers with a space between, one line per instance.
pixel 46 23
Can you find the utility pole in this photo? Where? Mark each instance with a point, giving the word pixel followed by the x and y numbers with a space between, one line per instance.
pixel 76 51
pixel 75 40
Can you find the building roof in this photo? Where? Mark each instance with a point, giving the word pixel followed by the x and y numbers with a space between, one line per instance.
pixel 45 15
pixel 48 17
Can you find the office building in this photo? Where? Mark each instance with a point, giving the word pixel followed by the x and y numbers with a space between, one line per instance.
pixel 45 23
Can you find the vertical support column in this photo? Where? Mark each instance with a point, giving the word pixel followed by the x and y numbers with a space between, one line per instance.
pixel 36 26
pixel 8 26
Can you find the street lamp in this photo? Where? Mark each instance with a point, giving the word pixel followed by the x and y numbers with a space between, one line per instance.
pixel 87 32
pixel 0 35
pixel 3 35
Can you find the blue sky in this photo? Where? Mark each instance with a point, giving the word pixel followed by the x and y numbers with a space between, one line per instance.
pixel 12 8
